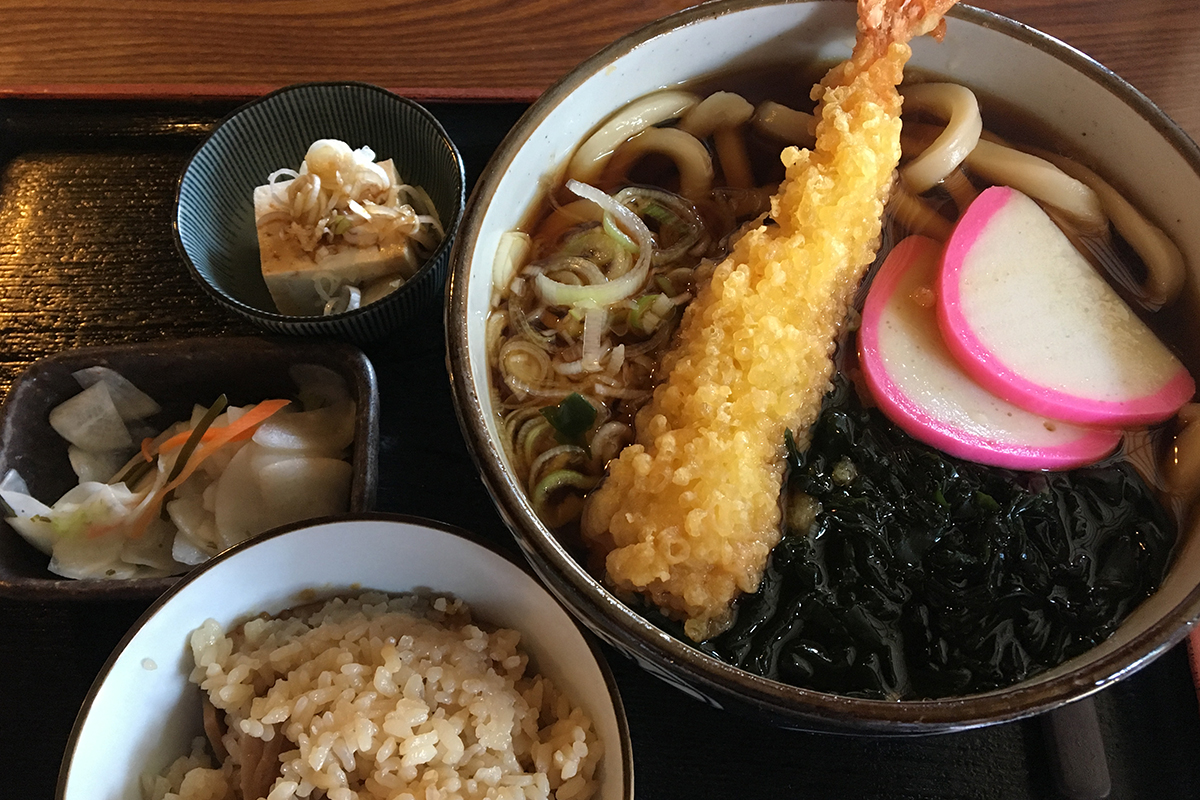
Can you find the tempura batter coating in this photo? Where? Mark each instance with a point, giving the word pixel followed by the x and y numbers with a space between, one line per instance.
pixel 690 511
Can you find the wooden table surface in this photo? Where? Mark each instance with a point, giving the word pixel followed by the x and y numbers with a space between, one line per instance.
pixel 464 51
pixel 473 49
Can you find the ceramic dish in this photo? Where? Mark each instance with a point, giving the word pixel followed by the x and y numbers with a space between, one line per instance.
pixel 214 211
pixel 176 374
pixel 1089 108
pixel 110 748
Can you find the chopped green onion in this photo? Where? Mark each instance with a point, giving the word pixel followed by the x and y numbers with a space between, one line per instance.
pixel 598 247
pixel 528 437
pixel 637 314
pixel 789 441
pixel 569 502
pixel 987 501
pixel 622 239
pixel 679 227
pixel 571 418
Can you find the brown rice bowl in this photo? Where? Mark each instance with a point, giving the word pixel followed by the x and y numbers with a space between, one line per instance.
pixel 110 749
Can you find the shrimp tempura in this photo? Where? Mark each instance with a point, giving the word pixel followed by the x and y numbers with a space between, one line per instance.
pixel 690 511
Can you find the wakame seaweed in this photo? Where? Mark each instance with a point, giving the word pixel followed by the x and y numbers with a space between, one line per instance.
pixel 906 573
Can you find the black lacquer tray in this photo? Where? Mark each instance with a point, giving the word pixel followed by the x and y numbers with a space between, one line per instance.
pixel 86 258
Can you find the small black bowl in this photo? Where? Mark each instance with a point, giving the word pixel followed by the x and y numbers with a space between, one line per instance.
pixel 214 206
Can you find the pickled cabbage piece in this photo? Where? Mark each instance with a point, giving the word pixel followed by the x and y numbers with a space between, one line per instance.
pixel 26 514
pixel 264 488
pixel 191 512
pixel 318 386
pixel 325 431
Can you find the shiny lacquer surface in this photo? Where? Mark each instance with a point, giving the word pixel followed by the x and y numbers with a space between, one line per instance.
pixel 101 103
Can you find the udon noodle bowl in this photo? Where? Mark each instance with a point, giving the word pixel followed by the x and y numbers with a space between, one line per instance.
pixel 900 572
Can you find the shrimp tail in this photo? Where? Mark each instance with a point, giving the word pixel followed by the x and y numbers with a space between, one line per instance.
pixel 885 27
pixel 882 23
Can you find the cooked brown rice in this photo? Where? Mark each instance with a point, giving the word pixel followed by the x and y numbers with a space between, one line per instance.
pixel 398 697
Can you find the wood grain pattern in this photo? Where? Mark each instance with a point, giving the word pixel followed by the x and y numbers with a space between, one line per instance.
pixel 1153 44
pixel 479 49
pixel 517 48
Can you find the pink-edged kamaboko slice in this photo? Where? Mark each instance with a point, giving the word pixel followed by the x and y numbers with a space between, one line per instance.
pixel 1032 321
pixel 919 385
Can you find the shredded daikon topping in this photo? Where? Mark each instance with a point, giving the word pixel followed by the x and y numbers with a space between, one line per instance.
pixel 341 196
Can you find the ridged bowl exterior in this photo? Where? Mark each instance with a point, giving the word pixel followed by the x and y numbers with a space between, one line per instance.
pixel 214 210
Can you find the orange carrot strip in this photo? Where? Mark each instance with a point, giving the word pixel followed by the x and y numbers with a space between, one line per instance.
pixel 96 530
pixel 242 428
pixel 178 439
pixel 260 413
pixel 244 432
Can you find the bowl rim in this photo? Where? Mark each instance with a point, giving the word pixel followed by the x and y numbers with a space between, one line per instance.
pixel 622 626
pixel 449 227
pixel 589 638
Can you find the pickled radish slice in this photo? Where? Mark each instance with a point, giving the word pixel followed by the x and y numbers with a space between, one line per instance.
pixel 90 420
pixel 1030 319
pixel 922 389
pixel 131 402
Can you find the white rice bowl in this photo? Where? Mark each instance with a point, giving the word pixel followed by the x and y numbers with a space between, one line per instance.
pixel 475 674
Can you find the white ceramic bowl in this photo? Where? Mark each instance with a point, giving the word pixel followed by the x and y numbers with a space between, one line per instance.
pixel 142 712
pixel 1079 101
